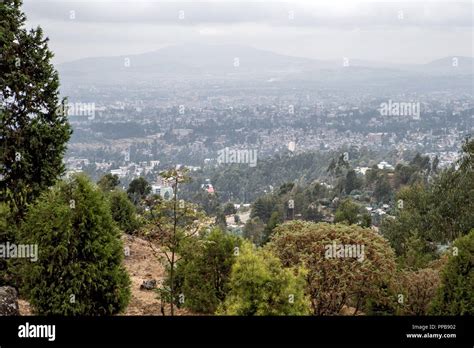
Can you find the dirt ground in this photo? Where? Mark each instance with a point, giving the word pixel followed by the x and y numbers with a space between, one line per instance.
pixel 142 264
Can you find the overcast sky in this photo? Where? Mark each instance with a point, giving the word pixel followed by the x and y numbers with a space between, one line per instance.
pixel 401 31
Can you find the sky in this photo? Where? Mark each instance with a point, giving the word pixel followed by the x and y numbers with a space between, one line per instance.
pixel 386 31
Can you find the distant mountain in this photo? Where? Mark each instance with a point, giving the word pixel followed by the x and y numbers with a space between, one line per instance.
pixel 454 64
pixel 188 60
pixel 234 62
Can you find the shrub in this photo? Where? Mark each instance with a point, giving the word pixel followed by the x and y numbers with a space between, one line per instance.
pixel 79 270
pixel 334 279
pixel 259 285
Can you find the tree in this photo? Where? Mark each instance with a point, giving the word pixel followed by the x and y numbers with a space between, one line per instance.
pixel 172 223
pixel 221 221
pixel 253 230
pixel 263 208
pixel 451 194
pixel 351 182
pixel 347 212
pixel 79 270
pixel 259 285
pixel 437 213
pixel 383 190
pixel 347 265
pixel 108 182
pixel 274 221
pixel 412 217
pixel 123 211
pixel 229 209
pixel 416 255
pixel 138 189
pixel 202 275
pixel 456 294
pixel 33 123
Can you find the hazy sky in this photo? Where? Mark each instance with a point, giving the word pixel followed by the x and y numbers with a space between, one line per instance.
pixel 400 31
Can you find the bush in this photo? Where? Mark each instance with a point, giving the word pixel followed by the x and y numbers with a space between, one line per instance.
pixel 416 289
pixel 259 285
pixel 79 270
pixel 336 280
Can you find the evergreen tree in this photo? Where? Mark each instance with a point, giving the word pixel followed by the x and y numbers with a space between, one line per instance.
pixel 123 211
pixel 79 270
pixel 202 275
pixel 273 222
pixel 351 182
pixel 259 285
pixel 138 189
pixel 456 294
pixel 33 122
pixel 383 190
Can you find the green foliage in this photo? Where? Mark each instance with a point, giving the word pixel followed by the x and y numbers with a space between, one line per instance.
pixel 347 212
pixel 108 182
pixel 7 234
pixel 273 222
pixel 123 211
pixel 138 189
pixel 253 230
pixel 221 220
pixel 171 224
pixel 456 294
pixel 383 190
pixel 335 282
pixel 415 256
pixel 79 270
pixel 203 272
pixel 241 183
pixel 229 209
pixel 452 202
pixel 436 213
pixel 412 217
pixel 352 181
pixel 209 202
pixel 263 208
pixel 259 285
pixel 33 124
pixel 415 290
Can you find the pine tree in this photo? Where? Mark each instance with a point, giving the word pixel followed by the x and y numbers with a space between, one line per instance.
pixel 33 125
pixel 123 211
pixel 79 269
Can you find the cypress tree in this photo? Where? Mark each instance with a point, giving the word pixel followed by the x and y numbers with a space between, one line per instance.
pixel 79 270
pixel 33 125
